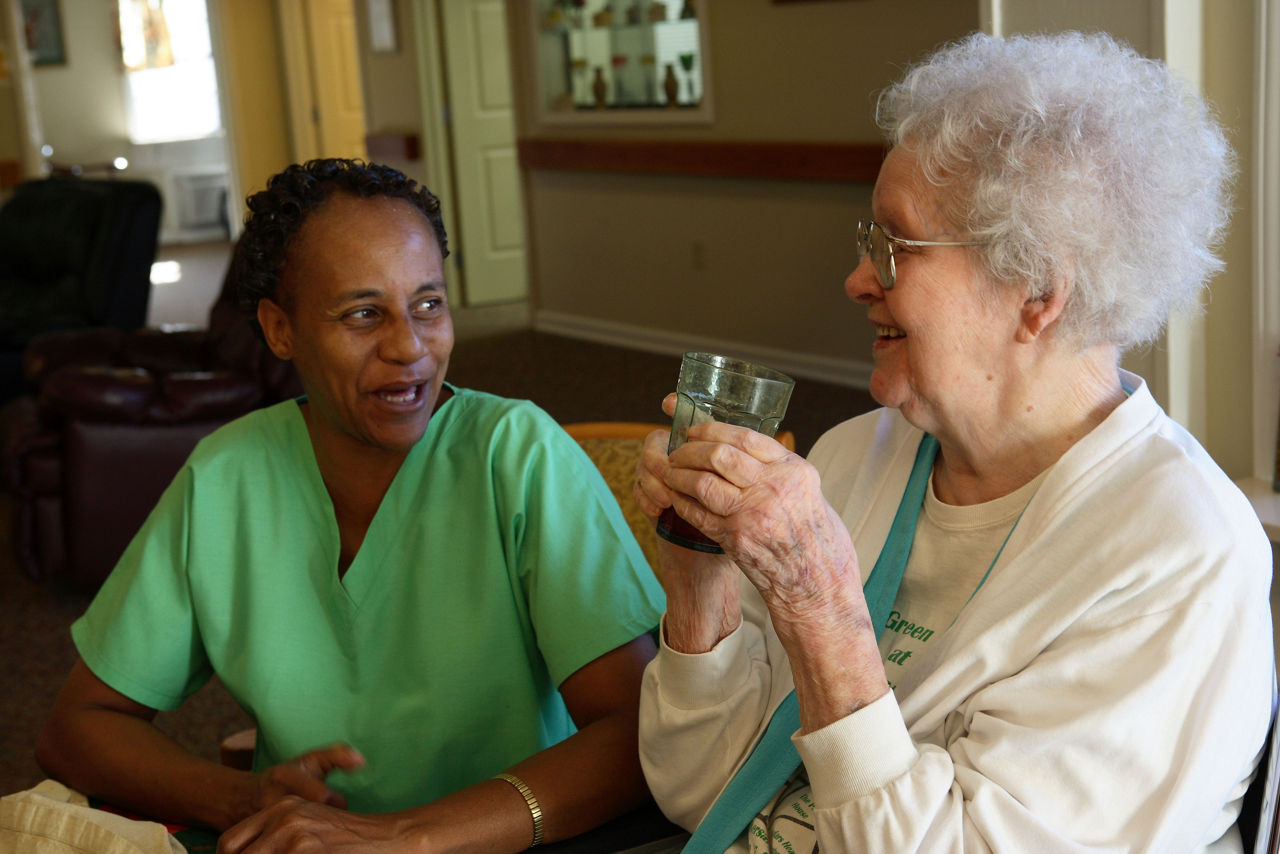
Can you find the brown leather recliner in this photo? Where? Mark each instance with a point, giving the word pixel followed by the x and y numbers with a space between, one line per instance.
pixel 114 416
pixel 74 254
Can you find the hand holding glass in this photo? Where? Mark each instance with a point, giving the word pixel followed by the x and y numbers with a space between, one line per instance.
pixel 718 388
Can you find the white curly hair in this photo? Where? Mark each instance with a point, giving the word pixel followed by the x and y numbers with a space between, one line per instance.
pixel 1075 157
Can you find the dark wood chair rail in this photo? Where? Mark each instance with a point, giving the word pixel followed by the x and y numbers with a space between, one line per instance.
pixel 805 161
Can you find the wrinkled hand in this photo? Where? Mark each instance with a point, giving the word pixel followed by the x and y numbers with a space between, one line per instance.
pixel 650 489
pixel 653 495
pixel 295 824
pixel 304 777
pixel 764 505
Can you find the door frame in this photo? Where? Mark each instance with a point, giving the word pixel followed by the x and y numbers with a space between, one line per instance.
pixel 298 87
pixel 26 100
pixel 438 142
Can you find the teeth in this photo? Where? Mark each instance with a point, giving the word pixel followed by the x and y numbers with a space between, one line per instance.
pixel 889 332
pixel 406 396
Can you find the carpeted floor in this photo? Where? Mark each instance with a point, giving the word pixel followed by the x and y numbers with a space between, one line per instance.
pixel 573 380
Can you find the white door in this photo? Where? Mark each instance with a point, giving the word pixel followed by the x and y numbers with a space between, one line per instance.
pixel 487 179
pixel 322 78
pixel 335 72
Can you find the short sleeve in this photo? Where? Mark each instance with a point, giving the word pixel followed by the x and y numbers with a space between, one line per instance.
pixel 589 587
pixel 140 633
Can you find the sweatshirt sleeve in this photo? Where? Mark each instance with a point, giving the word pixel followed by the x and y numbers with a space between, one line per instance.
pixel 700 715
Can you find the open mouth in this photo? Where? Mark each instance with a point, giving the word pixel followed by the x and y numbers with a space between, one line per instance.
pixel 403 396
pixel 884 332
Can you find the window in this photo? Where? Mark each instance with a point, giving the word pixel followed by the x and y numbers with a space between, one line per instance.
pixel 171 91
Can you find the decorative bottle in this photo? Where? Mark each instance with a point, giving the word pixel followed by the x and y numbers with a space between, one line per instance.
pixel 600 88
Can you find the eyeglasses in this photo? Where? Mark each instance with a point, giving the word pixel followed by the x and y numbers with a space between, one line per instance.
pixel 874 240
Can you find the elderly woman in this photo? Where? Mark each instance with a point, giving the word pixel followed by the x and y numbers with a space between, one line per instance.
pixel 1079 653
pixel 412 588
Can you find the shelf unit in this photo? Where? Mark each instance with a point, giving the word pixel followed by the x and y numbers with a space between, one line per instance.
pixel 631 60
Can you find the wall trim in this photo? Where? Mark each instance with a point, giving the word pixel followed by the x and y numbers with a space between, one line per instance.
pixel 806 161
pixel 842 372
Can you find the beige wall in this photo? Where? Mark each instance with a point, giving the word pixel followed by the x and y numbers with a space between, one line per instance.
pixel 82 106
pixel 761 263
pixel 1226 49
pixel 1228 83
pixel 398 87
pixel 1128 20
pixel 255 90
pixel 392 104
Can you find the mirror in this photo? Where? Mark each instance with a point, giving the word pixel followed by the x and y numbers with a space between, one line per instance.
pixel 621 60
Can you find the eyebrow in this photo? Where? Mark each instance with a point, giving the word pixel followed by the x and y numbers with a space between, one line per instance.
pixel 373 293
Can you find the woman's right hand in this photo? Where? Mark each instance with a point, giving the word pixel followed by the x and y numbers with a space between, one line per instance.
pixel 104 744
pixel 701 588
pixel 651 492
pixel 305 777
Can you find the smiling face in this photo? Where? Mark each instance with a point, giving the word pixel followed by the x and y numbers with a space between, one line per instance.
pixel 944 334
pixel 363 315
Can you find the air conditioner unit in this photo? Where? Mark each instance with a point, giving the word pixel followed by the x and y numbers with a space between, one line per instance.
pixel 200 200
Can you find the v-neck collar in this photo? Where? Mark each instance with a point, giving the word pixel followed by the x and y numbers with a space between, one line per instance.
pixel 354 586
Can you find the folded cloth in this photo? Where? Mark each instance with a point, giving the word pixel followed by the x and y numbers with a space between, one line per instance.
pixel 52 819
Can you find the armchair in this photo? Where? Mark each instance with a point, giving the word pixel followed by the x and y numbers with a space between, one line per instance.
pixel 113 416
pixel 74 253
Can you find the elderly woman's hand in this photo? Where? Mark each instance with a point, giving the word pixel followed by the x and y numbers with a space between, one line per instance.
pixel 650 491
pixel 764 505
pixel 701 588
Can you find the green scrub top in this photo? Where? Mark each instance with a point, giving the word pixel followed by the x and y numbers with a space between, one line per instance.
pixel 497 565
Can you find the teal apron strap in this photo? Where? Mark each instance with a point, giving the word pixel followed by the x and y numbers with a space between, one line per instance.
pixel 774 758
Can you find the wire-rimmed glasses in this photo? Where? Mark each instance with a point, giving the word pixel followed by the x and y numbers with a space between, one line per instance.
pixel 874 240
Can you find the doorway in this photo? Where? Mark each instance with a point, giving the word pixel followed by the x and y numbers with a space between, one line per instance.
pixel 322 78
pixel 459 51
pixel 473 54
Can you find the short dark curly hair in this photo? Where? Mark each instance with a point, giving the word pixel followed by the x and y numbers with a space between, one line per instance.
pixel 277 213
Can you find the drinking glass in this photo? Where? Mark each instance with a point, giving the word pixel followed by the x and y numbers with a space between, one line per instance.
pixel 719 388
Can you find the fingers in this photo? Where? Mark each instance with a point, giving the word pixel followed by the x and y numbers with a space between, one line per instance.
pixel 237 838
pixel 320 762
pixel 650 490
pixel 305 776
pixel 289 779
pixel 764 448
pixel 244 838
pixel 746 485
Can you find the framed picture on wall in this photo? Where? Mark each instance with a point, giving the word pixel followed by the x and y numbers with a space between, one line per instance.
pixel 42 21
pixel 382 26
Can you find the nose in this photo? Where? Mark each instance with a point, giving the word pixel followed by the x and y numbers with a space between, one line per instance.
pixel 404 342
pixel 863 284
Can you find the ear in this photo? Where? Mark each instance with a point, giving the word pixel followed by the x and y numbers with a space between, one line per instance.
pixel 276 328
pixel 1040 311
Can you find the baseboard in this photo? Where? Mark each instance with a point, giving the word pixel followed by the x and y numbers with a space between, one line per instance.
pixel 843 372
pixel 478 321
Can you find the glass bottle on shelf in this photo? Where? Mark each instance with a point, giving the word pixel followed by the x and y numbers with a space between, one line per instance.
pixel 600 88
